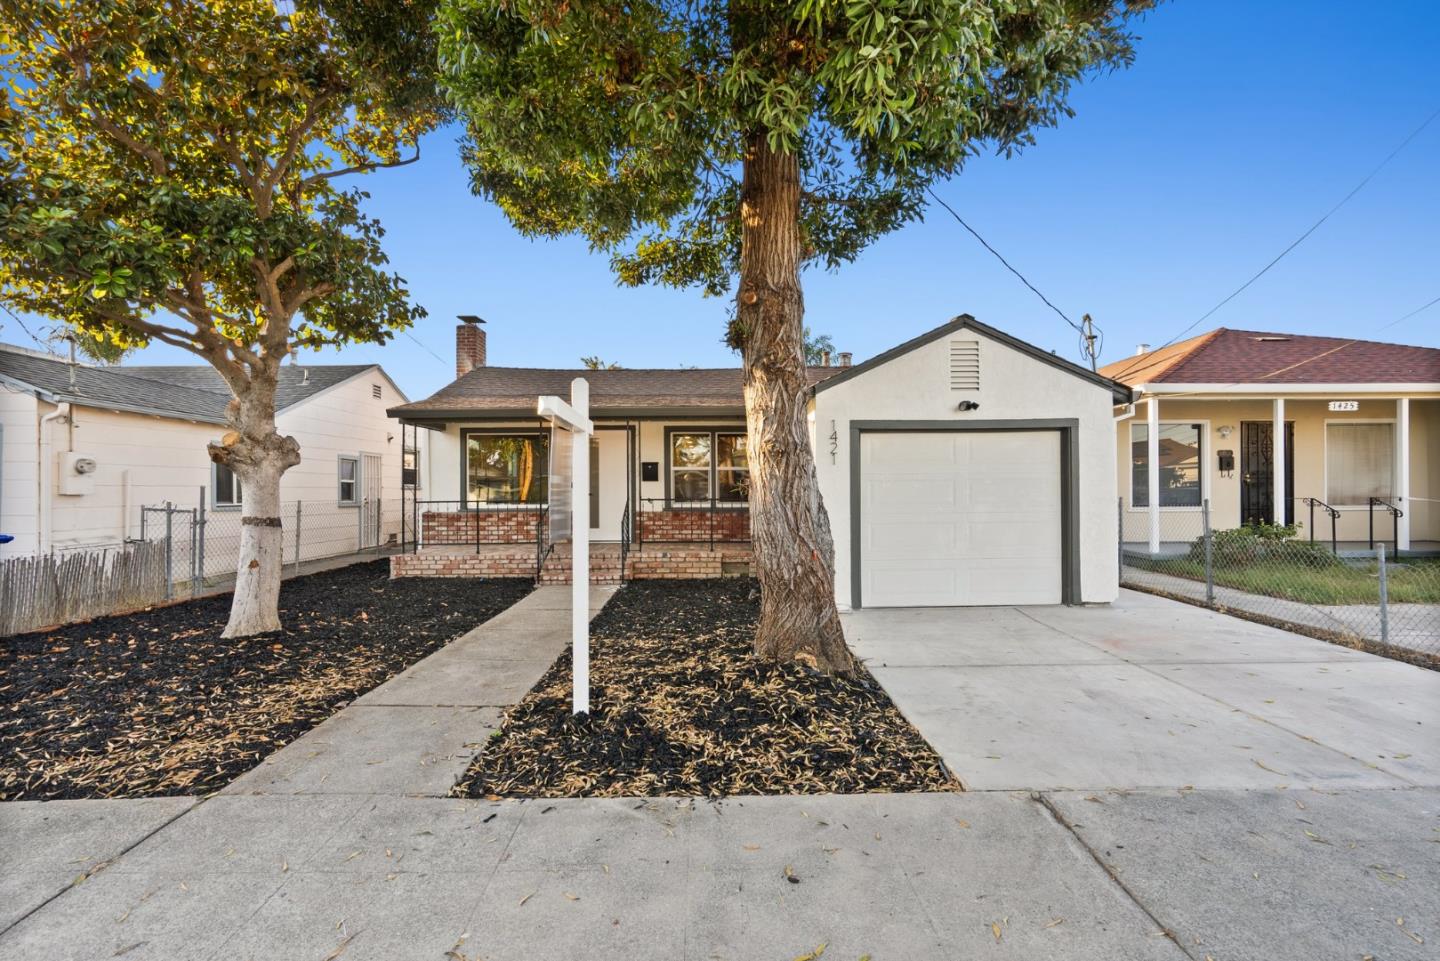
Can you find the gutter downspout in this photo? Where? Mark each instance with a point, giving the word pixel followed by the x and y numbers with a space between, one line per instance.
pixel 47 477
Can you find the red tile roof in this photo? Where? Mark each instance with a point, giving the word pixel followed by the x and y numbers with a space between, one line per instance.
pixel 1226 356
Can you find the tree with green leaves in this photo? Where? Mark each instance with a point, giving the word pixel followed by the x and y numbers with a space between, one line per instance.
pixel 170 172
pixel 818 347
pixel 594 362
pixel 709 142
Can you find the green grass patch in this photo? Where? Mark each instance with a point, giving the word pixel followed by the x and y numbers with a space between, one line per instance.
pixel 1412 581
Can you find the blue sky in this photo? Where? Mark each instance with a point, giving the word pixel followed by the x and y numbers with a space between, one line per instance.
pixel 1237 127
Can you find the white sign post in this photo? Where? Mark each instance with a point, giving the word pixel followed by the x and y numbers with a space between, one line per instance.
pixel 574 418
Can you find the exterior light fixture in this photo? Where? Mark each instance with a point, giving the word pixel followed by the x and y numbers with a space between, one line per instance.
pixel 1225 430
pixel 969 405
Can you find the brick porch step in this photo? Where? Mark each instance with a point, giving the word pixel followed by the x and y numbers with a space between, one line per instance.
pixel 669 561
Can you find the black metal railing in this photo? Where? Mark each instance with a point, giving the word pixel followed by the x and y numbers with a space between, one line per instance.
pixel 721 520
pixel 1314 502
pixel 542 540
pixel 1395 515
pixel 469 523
pixel 624 539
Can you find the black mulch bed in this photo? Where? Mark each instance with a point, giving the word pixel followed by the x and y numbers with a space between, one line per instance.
pixel 155 703
pixel 680 706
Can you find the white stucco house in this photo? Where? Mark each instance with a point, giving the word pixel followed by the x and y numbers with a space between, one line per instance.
pixel 84 447
pixel 963 467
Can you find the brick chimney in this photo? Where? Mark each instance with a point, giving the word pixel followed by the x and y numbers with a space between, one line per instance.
pixel 469 345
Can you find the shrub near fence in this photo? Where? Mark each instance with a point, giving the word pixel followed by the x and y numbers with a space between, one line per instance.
pixel 46 590
pixel 1278 574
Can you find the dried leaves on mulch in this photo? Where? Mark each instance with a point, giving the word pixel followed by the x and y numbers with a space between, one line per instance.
pixel 156 703
pixel 680 706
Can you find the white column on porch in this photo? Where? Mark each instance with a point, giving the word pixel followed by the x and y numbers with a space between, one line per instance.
pixel 1152 469
pixel 1277 463
pixel 1402 473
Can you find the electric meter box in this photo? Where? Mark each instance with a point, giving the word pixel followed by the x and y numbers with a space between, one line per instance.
pixel 77 473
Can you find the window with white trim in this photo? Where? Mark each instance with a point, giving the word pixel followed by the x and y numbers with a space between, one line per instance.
pixel 1359 463
pixel 709 463
pixel 227 487
pixel 1181 457
pixel 349 477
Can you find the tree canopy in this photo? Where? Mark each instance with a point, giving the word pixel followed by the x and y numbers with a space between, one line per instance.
pixel 627 123
pixel 164 159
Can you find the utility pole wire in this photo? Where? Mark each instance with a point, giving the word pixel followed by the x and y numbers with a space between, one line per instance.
pixel 1298 240
pixel 936 197
pixel 16 317
pixel 425 348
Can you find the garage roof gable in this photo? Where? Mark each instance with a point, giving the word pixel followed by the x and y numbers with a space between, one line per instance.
pixel 1119 391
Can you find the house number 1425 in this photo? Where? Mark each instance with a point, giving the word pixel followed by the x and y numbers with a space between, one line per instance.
pixel 1344 405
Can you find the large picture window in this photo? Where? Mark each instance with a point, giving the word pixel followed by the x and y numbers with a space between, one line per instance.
pixel 1359 463
pixel 1180 461
pixel 709 464
pixel 506 469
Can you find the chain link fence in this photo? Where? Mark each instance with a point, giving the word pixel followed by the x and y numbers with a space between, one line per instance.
pixel 202 545
pixel 1280 575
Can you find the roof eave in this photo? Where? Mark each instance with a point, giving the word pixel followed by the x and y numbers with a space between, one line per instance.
pixel 1119 391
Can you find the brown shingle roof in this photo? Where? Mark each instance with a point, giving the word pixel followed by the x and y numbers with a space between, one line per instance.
pixel 491 391
pixel 1226 356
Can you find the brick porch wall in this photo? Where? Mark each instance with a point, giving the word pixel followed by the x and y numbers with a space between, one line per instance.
pixel 495 527
pixel 687 563
pixel 430 564
pixel 693 526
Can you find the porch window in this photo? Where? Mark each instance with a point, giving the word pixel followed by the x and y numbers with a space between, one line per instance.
pixel 706 464
pixel 506 468
pixel 1359 463
pixel 1180 460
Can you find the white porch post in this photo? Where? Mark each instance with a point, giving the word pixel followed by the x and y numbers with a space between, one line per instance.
pixel 1277 462
pixel 1152 469
pixel 1402 473
pixel 580 551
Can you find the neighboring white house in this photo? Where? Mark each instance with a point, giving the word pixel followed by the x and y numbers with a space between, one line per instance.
pixel 963 467
pixel 83 448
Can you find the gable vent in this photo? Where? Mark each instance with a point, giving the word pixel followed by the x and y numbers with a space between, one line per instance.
pixel 964 365
pixel 375 391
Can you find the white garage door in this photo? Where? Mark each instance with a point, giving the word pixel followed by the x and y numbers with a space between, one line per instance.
pixel 960 517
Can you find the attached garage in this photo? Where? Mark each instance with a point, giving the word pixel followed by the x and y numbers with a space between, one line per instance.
pixel 976 469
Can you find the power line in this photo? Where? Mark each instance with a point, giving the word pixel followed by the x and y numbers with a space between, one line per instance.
pixel 16 317
pixel 1299 240
pixel 974 233
pixel 425 348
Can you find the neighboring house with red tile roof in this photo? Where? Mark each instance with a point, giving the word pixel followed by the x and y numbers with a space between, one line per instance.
pixel 961 467
pixel 1360 434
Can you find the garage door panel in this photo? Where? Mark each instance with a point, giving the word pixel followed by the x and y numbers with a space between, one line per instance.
pixel 895 454
pixel 952 518
pixel 900 539
pixel 895 494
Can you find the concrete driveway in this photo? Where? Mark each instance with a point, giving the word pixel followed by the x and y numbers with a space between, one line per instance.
pixel 1149 693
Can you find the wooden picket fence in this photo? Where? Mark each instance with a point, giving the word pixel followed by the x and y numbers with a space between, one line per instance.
pixel 38 592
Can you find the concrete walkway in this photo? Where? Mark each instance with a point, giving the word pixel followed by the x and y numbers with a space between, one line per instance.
pixel 289 865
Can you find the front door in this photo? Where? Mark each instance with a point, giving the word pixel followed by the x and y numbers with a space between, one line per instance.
pixel 1257 472
pixel 609 482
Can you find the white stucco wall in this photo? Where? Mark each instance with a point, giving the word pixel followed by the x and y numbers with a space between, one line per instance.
pixel 915 386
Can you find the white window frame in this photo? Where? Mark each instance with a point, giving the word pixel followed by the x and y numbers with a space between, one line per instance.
pixel 1205 445
pixel 712 469
pixel 215 502
pixel 1325 455
pixel 340 481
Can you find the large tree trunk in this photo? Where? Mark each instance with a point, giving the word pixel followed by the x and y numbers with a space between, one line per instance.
pixel 259 456
pixel 794 555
